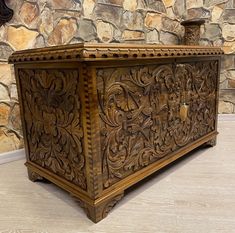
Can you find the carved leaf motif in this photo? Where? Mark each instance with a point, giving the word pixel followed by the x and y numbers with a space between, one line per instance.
pixel 140 113
pixel 52 114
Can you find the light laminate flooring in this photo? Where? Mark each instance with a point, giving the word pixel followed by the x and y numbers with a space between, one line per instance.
pixel 194 195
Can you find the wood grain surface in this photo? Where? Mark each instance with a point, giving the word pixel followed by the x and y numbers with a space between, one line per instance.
pixel 95 126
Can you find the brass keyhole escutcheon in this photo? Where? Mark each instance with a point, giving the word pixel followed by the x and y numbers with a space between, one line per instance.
pixel 184 111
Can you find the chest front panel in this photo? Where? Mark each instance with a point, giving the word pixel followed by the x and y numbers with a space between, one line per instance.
pixel 147 112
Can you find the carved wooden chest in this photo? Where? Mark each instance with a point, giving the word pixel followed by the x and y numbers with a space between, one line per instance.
pixel 99 118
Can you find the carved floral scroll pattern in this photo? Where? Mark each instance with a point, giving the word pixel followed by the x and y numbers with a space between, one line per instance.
pixel 53 114
pixel 139 113
pixel 192 35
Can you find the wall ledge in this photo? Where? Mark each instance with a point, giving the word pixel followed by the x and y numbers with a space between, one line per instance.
pixel 12 156
pixel 226 117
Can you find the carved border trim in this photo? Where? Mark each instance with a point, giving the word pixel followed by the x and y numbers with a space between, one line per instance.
pixel 92 180
pixel 56 54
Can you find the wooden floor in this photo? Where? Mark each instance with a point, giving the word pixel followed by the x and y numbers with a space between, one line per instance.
pixel 196 194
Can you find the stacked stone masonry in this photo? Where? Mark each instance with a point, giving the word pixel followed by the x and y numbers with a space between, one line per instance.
pixel 40 23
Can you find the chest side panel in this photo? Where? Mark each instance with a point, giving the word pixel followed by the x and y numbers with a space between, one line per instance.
pixel 140 113
pixel 52 115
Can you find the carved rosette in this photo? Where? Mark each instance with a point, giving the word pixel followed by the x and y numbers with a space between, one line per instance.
pixel 140 113
pixel 52 115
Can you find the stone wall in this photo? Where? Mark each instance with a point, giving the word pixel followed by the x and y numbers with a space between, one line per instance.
pixel 39 23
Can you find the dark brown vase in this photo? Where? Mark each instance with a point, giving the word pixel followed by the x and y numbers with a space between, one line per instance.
pixel 192 31
pixel 5 13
